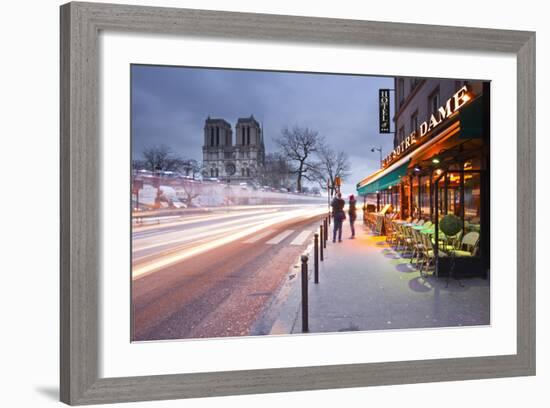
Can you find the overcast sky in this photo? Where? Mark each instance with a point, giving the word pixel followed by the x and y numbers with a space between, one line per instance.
pixel 170 105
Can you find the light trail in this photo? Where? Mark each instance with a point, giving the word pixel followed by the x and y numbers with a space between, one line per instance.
pixel 175 237
pixel 197 218
pixel 236 232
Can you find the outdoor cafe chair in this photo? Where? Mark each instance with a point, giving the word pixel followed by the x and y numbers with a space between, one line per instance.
pixel 468 246
pixel 390 231
pixel 419 246
pixel 427 253
pixel 428 256
pixel 409 239
pixel 399 238
pixel 451 243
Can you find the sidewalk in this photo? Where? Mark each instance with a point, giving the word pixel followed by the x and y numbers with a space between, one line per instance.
pixel 365 285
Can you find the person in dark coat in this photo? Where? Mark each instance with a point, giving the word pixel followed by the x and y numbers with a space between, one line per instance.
pixel 352 211
pixel 338 215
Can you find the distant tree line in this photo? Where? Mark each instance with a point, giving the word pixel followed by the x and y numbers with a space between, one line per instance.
pixel 303 157
pixel 162 158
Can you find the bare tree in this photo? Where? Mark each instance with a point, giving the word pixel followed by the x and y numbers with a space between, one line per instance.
pixel 298 145
pixel 191 190
pixel 161 158
pixel 331 164
pixel 191 168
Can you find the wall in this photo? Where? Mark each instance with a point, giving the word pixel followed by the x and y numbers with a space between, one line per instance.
pixel 419 101
pixel 29 249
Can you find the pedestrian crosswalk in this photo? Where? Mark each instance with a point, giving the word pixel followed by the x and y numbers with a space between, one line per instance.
pixel 291 237
pixel 278 238
pixel 301 238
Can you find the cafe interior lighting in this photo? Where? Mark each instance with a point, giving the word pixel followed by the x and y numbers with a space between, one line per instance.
pixel 435 160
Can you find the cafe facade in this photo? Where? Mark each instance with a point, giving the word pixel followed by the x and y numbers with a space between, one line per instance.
pixel 440 164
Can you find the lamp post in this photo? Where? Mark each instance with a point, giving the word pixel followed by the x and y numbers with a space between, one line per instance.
pixel 379 149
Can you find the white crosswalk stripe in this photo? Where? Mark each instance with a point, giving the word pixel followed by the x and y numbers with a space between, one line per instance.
pixel 301 238
pixel 275 240
pixel 257 237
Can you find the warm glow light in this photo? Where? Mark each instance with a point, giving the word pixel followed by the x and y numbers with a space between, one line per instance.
pixel 435 160
pixel 438 171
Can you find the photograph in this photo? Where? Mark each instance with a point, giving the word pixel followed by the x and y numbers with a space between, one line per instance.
pixel 282 203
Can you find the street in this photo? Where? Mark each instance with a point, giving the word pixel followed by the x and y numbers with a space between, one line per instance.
pixel 211 275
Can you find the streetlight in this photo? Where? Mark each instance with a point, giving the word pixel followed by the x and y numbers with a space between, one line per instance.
pixel 379 149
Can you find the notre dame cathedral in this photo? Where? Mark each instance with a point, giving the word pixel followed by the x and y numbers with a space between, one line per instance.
pixel 238 162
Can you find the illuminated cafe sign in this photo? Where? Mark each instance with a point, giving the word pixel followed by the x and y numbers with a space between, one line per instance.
pixel 384 110
pixel 453 104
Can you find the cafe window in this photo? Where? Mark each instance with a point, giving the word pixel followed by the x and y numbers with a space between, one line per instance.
pixel 472 201
pixel 425 197
pixel 415 198
pixel 453 194
pixel 405 199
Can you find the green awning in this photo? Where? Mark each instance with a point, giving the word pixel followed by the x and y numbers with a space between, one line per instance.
pixel 387 180
pixel 471 120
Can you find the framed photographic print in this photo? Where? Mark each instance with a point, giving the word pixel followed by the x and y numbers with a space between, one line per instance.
pixel 261 203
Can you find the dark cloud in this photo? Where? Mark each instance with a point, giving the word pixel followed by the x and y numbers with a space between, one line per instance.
pixel 170 104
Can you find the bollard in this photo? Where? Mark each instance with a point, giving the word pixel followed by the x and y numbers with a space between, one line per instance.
pixel 305 317
pixel 322 239
pixel 329 218
pixel 325 222
pixel 316 258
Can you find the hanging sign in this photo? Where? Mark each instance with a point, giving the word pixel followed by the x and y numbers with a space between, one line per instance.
pixel 384 110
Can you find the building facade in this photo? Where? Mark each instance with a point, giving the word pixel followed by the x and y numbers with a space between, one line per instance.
pixel 440 162
pixel 417 99
pixel 233 160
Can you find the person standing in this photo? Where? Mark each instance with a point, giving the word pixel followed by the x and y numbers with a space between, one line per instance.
pixel 338 215
pixel 352 211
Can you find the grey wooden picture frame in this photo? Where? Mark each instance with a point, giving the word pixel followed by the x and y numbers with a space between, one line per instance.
pixel 81 24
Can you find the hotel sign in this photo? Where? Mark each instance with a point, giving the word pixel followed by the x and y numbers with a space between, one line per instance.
pixel 384 110
pixel 453 104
